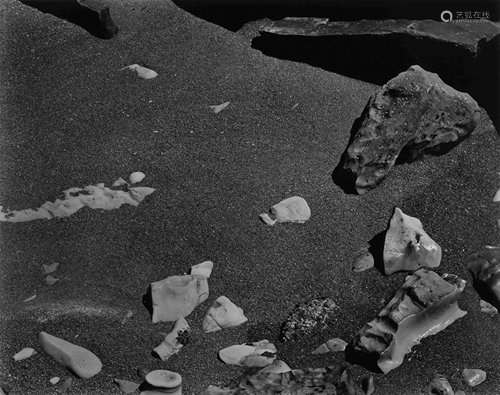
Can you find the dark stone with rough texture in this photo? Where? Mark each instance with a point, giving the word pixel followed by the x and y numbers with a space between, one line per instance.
pixel 471 36
pixel 107 25
pixel 485 266
pixel 411 117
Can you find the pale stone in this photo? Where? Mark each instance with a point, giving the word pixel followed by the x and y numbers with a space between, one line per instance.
pixel 293 209
pixel 276 367
pixel 24 353
pixel 203 269
pixel 249 354
pixel 407 246
pixel 136 177
pixel 175 340
pixel 473 377
pixel 81 361
pixel 223 314
pixel 177 296
pixel 439 385
pixel 425 305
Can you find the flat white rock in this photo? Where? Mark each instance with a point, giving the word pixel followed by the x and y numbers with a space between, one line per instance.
pixel 24 353
pixel 293 209
pixel 204 269
pixel 250 354
pixel 223 314
pixel 136 177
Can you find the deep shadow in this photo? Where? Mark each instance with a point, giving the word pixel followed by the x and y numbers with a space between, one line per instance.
pixel 99 24
pixel 147 301
pixel 376 248
pixel 377 59
pixel 345 179
pixel 368 361
pixel 486 294
pixel 232 15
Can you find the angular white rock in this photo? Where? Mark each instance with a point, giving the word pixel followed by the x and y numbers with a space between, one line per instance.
pixel 174 341
pixel 488 308
pixel 24 353
pixel 223 314
pixel 407 246
pixel 203 269
pixel 126 386
pixel 473 377
pixel 136 177
pixel 276 367
pixel 142 72
pixel 93 196
pixel 293 209
pixel 250 354
pixel 496 198
pixel 119 182
pixel 54 380
pixel 177 296
pixel 81 361
pixel 335 345
pixel 220 107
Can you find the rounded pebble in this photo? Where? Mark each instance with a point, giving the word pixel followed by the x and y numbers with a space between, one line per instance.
pixel 164 379
pixel 136 177
pixel 473 377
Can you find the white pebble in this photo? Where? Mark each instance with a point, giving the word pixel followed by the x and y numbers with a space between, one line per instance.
pixel 136 177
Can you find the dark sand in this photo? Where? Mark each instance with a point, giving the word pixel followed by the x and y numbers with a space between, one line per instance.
pixel 70 118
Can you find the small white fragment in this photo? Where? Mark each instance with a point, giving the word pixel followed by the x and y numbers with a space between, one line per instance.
pixel 50 268
pixel 142 72
pixel 249 354
pixel 276 367
pixel 488 308
pixel 136 177
pixel 50 279
pixel 219 107
pixel 24 353
pixel 496 198
pixel 267 219
pixel 119 182
pixel 54 380
pixel 30 298
pixel 203 269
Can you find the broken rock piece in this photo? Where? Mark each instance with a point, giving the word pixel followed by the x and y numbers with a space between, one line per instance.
pixel 142 72
pixel 488 308
pixel 334 345
pixel 363 262
pixel 223 314
pixel 407 247
pixel 425 305
pixel 412 116
pixel 294 209
pixel 260 354
pixel 307 317
pixel 81 361
pixel 485 267
pixel 328 381
pixel 24 353
pixel 175 340
pixel 439 385
pixel 93 196
pixel 276 367
pixel 203 269
pixel 473 377
pixel 136 177
pixel 177 296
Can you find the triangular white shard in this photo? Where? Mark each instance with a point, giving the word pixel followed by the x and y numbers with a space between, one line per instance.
pixel 223 314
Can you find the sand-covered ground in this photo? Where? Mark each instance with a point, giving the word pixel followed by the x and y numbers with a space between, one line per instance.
pixel 71 118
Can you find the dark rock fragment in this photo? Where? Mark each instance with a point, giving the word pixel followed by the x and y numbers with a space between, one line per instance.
pixel 307 316
pixel 107 26
pixel 411 117
pixel 485 266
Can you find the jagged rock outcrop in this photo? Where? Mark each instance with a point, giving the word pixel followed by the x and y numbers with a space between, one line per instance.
pixel 411 117
pixel 425 305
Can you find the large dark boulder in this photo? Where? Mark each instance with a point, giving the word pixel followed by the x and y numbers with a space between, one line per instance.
pixel 411 117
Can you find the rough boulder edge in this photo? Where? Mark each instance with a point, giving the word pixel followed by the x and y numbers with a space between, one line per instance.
pixel 411 117
pixel 425 305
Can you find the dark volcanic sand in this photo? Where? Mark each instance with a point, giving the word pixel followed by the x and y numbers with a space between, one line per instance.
pixel 70 118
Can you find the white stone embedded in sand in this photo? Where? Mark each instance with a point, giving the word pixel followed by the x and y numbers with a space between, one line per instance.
pixel 203 269
pixel 250 354
pixel 293 209
pixel 473 377
pixel 496 198
pixel 81 361
pixel 223 314
pixel 24 353
pixel 177 296
pixel 93 196
pixel 142 72
pixel 175 340
pixel 136 177
pixel 407 246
